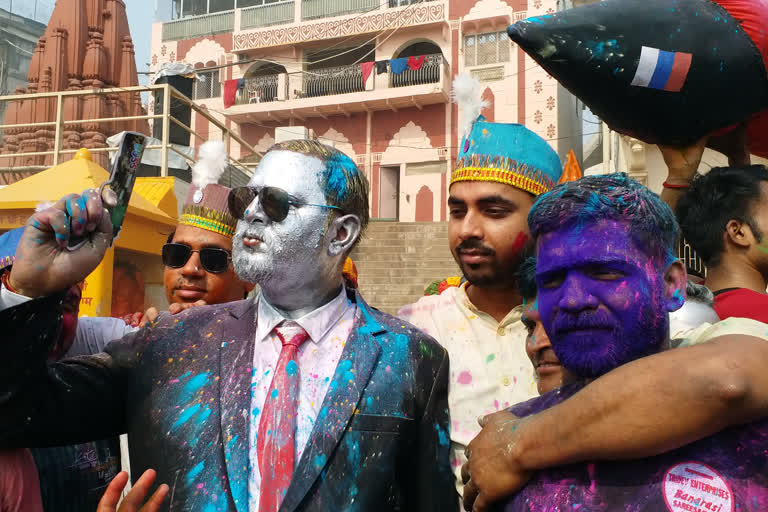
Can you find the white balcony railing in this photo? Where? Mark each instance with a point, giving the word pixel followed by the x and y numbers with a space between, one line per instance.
pixel 312 9
pixel 259 89
pixel 205 25
pixel 429 73
pixel 330 81
pixel 266 15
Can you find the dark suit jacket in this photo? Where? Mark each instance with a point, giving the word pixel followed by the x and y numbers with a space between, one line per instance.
pixel 181 389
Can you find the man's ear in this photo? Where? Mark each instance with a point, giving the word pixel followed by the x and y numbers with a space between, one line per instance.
pixel 739 233
pixel 675 278
pixel 342 234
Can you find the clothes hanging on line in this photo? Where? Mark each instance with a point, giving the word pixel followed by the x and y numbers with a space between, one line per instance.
pixel 415 63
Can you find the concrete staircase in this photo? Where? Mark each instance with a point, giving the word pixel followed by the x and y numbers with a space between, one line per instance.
pixel 397 260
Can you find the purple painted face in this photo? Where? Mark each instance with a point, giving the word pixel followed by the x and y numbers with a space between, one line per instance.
pixel 601 298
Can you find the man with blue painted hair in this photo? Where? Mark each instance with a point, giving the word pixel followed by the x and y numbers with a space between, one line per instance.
pixel 607 279
pixel 303 399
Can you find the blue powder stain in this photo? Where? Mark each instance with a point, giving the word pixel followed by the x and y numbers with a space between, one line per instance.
pixel 535 20
pixel 369 402
pixel 320 460
pixel 186 414
pixel 338 167
pixel 401 341
pixel 327 379
pixel 192 474
pixel 185 375
pixel 333 385
pixel 442 435
pixel 323 414
pixel 194 384
pixel 60 236
pixel 371 325
pixel 232 442
pixel 291 369
pixel 345 365
pixel 210 508
pixel 204 416
pixel 256 411
pixel 348 376
pixel 274 393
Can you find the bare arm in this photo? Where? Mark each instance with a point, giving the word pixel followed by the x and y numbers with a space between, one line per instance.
pixel 643 408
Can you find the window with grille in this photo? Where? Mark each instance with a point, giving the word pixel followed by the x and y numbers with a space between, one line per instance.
pixel 207 86
pixel 488 48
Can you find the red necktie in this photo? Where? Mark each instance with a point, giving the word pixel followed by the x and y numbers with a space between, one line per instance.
pixel 276 445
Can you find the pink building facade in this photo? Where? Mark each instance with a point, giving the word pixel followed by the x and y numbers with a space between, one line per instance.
pixel 325 67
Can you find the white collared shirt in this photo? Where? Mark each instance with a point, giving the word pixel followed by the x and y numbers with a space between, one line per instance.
pixel 490 370
pixel 328 328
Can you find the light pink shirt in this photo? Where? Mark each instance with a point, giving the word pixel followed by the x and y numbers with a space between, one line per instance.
pixel 19 483
pixel 328 328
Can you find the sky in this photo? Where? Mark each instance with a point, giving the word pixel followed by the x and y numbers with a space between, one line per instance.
pixel 140 18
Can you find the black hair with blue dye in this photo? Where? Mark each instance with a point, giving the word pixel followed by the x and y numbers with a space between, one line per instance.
pixel 526 279
pixel 617 197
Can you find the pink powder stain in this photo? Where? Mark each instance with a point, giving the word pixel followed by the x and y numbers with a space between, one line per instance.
pixel 388 369
pixel 496 404
pixel 200 486
pixel 464 378
pixel 456 463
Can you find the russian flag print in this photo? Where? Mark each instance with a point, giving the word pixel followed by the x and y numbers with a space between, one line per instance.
pixel 659 69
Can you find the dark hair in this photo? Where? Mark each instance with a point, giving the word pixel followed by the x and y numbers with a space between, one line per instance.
pixel 526 279
pixel 170 237
pixel 618 197
pixel 714 199
pixel 344 185
pixel 699 293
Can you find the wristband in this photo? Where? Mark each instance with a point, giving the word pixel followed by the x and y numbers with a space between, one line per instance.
pixel 675 186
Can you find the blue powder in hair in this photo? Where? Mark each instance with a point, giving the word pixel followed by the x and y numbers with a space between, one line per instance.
pixel 337 168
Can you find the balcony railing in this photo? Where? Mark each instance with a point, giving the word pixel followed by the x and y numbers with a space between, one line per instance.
pixel 259 89
pixel 330 81
pixel 429 73
pixel 312 9
pixel 53 147
pixel 266 15
pixel 401 3
pixel 206 25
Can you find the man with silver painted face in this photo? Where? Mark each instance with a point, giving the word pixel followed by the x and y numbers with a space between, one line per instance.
pixel 305 398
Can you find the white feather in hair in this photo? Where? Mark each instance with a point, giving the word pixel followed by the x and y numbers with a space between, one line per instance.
pixel 467 94
pixel 211 163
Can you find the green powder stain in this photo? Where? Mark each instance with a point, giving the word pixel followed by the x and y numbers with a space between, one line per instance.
pixel 490 358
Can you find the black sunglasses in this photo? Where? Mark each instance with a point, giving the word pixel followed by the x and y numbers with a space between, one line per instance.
pixel 212 259
pixel 274 201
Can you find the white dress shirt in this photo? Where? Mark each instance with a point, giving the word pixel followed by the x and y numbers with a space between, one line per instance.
pixel 490 370
pixel 328 328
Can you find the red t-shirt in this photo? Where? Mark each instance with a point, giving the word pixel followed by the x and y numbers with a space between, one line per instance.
pixel 741 303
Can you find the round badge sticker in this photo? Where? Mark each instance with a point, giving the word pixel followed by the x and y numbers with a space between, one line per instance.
pixel 695 487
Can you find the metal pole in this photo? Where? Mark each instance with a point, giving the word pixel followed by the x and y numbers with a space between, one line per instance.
pixel 166 129
pixel 57 140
